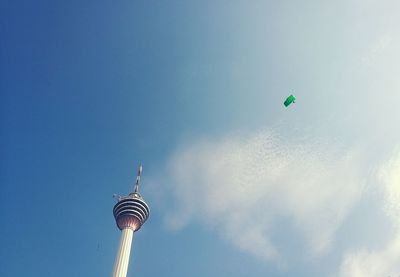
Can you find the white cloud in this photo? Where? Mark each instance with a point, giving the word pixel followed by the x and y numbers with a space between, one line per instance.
pixel 390 177
pixel 365 263
pixel 244 185
pixel 377 48
pixel 385 261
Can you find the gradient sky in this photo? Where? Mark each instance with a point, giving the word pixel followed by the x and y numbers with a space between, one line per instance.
pixel 238 185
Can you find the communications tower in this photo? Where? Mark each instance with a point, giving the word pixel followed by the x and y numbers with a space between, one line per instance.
pixel 130 213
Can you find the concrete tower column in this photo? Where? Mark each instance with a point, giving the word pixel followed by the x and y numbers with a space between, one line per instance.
pixel 124 250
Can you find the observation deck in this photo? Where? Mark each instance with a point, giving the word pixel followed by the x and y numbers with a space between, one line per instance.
pixel 131 212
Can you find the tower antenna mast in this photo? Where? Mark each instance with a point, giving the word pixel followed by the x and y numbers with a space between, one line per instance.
pixel 139 174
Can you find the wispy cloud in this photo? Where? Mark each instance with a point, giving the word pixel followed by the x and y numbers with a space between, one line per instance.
pixel 250 187
pixel 376 49
pixel 384 261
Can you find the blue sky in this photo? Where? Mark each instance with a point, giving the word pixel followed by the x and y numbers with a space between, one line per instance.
pixel 237 184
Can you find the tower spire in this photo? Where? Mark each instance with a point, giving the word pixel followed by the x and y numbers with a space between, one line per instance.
pixel 139 174
pixel 130 214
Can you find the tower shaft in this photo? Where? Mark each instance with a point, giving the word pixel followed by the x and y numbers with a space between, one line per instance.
pixel 124 250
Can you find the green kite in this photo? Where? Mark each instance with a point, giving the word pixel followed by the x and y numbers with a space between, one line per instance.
pixel 291 99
